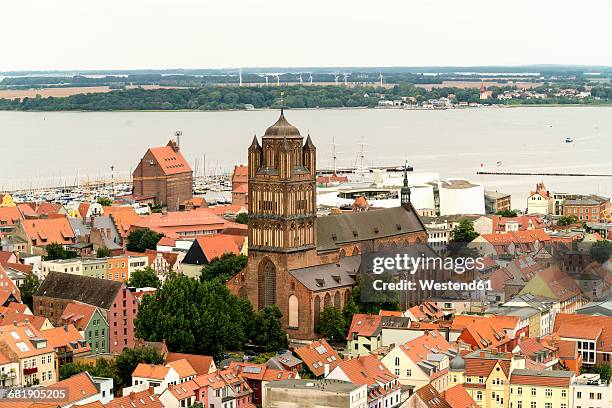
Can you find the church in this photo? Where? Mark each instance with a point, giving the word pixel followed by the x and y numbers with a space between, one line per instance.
pixel 298 261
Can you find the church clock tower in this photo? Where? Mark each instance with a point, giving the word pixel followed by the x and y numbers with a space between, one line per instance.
pixel 282 191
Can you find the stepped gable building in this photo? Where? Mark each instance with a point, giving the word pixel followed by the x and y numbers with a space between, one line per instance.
pixel 164 175
pixel 297 261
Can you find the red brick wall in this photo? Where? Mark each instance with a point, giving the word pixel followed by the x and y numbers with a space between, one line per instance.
pixel 121 318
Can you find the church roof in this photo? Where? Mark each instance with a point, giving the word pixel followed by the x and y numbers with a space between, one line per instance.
pixel 329 276
pixel 282 128
pixel 335 230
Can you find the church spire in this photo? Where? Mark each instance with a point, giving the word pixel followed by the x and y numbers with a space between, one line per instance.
pixel 405 191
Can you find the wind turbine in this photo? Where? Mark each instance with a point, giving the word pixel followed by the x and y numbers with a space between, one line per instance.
pixel 300 78
pixel 240 76
pixel 266 75
pixel 381 79
pixel 346 75
pixel 336 76
pixel 277 79
pixel 310 78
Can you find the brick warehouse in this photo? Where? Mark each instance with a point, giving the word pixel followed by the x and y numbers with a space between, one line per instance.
pixel 298 261
pixel 114 299
pixel 164 174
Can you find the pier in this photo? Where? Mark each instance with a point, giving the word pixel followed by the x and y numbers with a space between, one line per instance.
pixel 517 173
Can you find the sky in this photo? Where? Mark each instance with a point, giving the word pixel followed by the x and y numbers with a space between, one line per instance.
pixel 156 34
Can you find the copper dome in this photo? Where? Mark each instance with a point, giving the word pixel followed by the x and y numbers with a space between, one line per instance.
pixel 282 128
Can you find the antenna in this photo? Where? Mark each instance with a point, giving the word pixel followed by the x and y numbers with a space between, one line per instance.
pixel 177 134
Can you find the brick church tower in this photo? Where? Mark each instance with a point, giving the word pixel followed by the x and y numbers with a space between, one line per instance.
pixel 282 206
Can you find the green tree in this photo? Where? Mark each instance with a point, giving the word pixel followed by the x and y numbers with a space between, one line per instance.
pixel 103 252
pixel 350 309
pixel 144 278
pixel 332 324
pixel 507 213
pixel 192 317
pixel 269 333
pixel 127 361
pixel 603 369
pixel 57 251
pixel 242 218
pixel 142 239
pixel 567 220
pixel 601 251
pixel 249 318
pixel 102 368
pixel 104 201
pixel 464 232
pixel 224 267
pixel 28 288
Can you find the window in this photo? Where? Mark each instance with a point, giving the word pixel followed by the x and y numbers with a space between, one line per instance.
pixel 397 371
pixel 548 392
pixel 479 396
pixel 548 405
pixel 397 361
pixel 408 373
pixel 519 391
pixel 533 392
pixel 533 404
pixel 564 393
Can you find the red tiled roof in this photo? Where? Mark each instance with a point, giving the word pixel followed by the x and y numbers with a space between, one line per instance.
pixel 8 287
pixel 458 397
pixel 430 342
pixel 460 322
pixel 26 210
pixel 317 354
pixel 539 378
pixel 216 245
pixel 195 217
pixel 46 208
pixel 154 371
pixel 366 370
pixel 577 326
pixel 83 209
pixel 78 314
pixel 167 241
pixel 559 282
pixel 260 372
pixel 169 160
pixel 9 316
pixel 5 257
pixel 524 222
pixel 141 399
pixel 426 311
pixel 123 218
pixel 9 215
pixel 487 333
pixel 482 366
pixel 79 386
pixel 432 398
pixel 201 364
pixel 364 325
pixel 64 336
pixel 47 231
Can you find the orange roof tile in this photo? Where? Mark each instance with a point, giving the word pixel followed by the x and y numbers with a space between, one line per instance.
pixel 430 342
pixel 458 397
pixel 216 245
pixel 78 314
pixel 170 160
pixel 154 371
pixel 79 386
pixel 141 399
pixel 577 326
pixel 18 340
pixel 364 325
pixel 316 354
pixel 48 230
pixel 67 336
pixel 201 364
pixel 487 333
pixel 366 370
pixel 9 316
pixel 9 215
pixel 432 398
pixel 549 378
pixel 46 208
pixel 182 367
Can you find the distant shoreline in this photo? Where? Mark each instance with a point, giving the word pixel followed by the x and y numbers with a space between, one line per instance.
pixel 559 105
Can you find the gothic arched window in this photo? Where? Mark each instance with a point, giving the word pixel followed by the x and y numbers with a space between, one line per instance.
pixel 294 315
pixel 267 284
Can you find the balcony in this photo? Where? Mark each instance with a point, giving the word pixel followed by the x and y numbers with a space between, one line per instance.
pixel 31 370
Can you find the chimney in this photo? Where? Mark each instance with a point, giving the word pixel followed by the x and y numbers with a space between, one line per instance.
pixel 66 327
pixel 325 370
